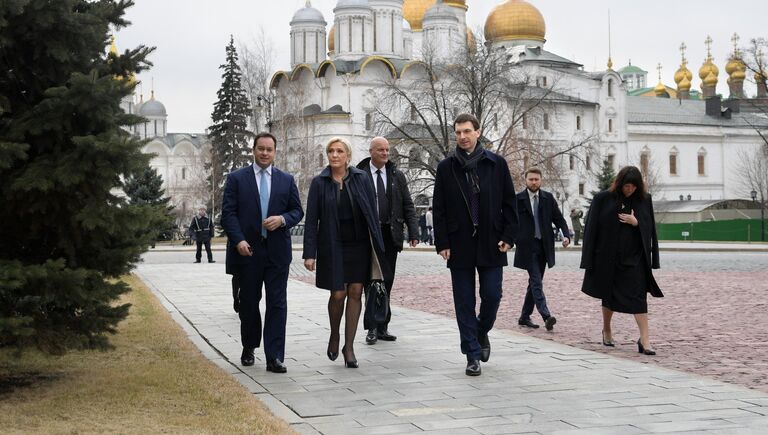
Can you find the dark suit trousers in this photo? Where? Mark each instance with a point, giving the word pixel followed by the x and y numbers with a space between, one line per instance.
pixel 258 273
pixel 470 324
pixel 535 293
pixel 199 253
pixel 390 254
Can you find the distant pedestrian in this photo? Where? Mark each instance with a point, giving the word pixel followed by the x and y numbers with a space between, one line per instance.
pixel 201 229
pixel 537 211
pixel 423 227
pixel 430 225
pixel 620 249
pixel 576 216
pixel 475 226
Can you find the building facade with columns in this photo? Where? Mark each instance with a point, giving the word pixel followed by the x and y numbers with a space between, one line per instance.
pixel 683 148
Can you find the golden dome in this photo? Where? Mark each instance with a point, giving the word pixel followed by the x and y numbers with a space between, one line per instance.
pixel 660 89
pixel 736 69
pixel 515 19
pixel 413 12
pixel 684 84
pixel 457 3
pixel 331 36
pixel 710 79
pixel 708 67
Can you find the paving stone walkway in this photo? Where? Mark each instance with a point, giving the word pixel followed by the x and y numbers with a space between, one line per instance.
pixel 417 384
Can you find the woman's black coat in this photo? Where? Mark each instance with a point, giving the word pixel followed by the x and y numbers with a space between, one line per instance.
pixel 321 226
pixel 600 244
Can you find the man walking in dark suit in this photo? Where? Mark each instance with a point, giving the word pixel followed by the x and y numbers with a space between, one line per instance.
pixel 537 211
pixel 475 225
pixel 395 207
pixel 261 204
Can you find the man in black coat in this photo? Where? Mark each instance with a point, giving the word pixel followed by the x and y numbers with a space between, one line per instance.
pixel 396 210
pixel 475 225
pixel 537 211
pixel 201 229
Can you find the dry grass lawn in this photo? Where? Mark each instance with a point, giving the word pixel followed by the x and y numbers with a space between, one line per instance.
pixel 154 381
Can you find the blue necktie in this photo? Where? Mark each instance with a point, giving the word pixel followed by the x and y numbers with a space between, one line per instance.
pixel 536 225
pixel 264 196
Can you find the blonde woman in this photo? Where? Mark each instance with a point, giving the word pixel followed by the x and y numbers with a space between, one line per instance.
pixel 343 242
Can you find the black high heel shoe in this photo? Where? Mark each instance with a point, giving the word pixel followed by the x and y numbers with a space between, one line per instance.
pixel 332 355
pixel 350 364
pixel 644 351
pixel 608 343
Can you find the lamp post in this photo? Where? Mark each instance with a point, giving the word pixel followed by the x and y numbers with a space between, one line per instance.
pixel 762 215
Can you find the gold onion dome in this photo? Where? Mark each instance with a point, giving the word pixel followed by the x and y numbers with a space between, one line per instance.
pixel 457 3
pixel 710 79
pixel 413 12
pixel 683 73
pixel 708 67
pixel 660 89
pixel 684 84
pixel 331 37
pixel 515 20
pixel 736 69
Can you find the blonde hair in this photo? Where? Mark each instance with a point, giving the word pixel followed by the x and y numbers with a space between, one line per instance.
pixel 347 146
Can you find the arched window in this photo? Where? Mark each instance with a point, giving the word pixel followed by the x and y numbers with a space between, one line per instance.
pixel 414 157
pixel 546 121
pixel 369 121
pixel 588 163
pixel 183 173
pixel 645 160
pixel 610 87
pixel 578 122
pixel 571 162
pixel 702 162
pixel 673 161
pixel 610 126
pixel 611 160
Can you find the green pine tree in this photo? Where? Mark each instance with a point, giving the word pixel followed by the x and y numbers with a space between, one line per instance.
pixel 229 133
pixel 604 178
pixel 66 237
pixel 146 188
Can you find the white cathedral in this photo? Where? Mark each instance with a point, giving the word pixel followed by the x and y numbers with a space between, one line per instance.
pixel 691 146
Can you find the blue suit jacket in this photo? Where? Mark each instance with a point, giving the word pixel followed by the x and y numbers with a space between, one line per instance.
pixel 241 215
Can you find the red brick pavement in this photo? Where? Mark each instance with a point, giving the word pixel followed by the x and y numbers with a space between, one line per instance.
pixel 710 323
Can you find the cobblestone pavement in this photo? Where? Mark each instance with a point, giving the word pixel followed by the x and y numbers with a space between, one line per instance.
pixel 417 384
pixel 712 321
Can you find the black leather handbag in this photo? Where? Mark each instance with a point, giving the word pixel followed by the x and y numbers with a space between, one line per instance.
pixel 376 303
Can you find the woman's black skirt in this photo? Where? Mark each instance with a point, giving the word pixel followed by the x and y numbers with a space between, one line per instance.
pixel 356 257
pixel 629 290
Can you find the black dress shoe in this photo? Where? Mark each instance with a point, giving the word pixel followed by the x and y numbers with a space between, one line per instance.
pixel 550 323
pixel 211 261
pixel 197 261
pixel 386 336
pixel 371 337
pixel 473 368
pixel 276 366
pixel 528 323
pixel 247 358
pixel 485 346
pixel 644 350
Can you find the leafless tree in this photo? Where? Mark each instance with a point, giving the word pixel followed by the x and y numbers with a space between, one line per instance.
pixel 752 172
pixel 753 56
pixel 256 63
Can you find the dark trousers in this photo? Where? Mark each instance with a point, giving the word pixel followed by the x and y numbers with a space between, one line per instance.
pixel 274 279
pixel 390 255
pixel 576 236
pixel 470 324
pixel 535 293
pixel 199 253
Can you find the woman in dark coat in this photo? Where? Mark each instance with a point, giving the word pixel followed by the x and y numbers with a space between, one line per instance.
pixel 620 249
pixel 343 242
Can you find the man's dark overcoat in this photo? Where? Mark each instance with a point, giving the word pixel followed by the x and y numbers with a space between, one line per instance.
pixel 454 229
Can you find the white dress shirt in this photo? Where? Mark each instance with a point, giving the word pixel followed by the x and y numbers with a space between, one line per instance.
pixel 375 176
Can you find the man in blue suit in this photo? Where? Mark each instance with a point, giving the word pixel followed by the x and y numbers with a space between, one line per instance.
pixel 261 204
pixel 537 211
pixel 475 225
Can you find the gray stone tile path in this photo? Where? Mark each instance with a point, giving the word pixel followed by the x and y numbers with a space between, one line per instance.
pixel 417 384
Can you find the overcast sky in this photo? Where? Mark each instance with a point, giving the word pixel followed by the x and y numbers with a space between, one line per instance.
pixel 190 36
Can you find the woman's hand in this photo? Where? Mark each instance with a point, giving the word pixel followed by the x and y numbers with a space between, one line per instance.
pixel 628 218
pixel 309 263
